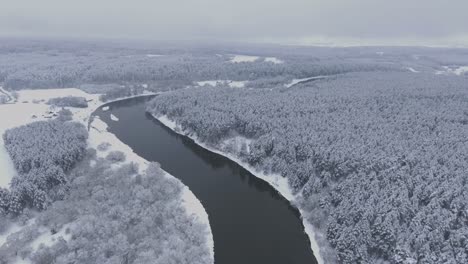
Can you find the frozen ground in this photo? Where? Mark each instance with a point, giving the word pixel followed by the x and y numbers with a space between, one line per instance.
pixel 277 181
pixel 34 108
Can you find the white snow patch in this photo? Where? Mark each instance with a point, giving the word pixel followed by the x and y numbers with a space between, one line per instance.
pixel 7 94
pixel 237 144
pixel 7 168
pixel 243 58
pixel 296 81
pixel 105 108
pixel 277 181
pixel 114 118
pixel 412 69
pixel 194 207
pixel 273 60
pixel 214 83
pixel 154 55
pixel 237 84
pixel 48 239
pixel 13 228
pixel 461 70
pixel 210 83
pixel 46 94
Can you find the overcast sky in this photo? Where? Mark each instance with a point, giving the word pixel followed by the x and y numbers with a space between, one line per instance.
pixel 425 22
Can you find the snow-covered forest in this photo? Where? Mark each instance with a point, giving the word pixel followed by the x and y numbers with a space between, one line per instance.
pixel 100 67
pixel 378 160
pixel 372 141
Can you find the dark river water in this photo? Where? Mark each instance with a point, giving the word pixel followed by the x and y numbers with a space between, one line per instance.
pixel 250 221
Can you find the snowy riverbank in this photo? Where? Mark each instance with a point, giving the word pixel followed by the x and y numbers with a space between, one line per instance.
pixel 277 181
pixel 34 108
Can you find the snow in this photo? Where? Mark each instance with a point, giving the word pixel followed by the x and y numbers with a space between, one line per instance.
pixel 105 108
pixel 7 169
pixel 210 83
pixel 380 53
pixel 214 83
pixel 412 70
pixel 273 60
pixel 11 230
pixel 235 144
pixel 194 207
pixel 7 94
pixel 46 238
pixel 243 58
pixel 296 81
pixel 46 94
pixel 461 70
pixel 114 118
pixel 277 181
pixel 154 55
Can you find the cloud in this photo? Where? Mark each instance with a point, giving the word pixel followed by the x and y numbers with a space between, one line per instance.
pixel 240 20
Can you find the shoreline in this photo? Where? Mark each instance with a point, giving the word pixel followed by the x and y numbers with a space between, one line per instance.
pixel 278 182
pixel 191 203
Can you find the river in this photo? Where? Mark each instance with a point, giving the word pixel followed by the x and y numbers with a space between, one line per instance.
pixel 250 221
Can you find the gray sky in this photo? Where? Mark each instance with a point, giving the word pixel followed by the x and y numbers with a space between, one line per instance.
pixel 414 22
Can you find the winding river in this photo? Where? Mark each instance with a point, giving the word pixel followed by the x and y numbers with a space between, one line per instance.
pixel 250 221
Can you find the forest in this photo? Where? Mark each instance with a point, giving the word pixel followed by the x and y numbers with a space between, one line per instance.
pixel 377 160
pixel 101 68
pixel 42 152
pixel 375 150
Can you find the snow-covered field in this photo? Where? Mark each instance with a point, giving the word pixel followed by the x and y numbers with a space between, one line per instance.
pixel 214 83
pixel 277 181
pixel 243 58
pixel 12 115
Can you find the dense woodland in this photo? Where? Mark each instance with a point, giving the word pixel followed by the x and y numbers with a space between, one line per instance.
pixel 376 151
pixel 42 152
pixel 100 67
pixel 379 160
pixel 69 101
